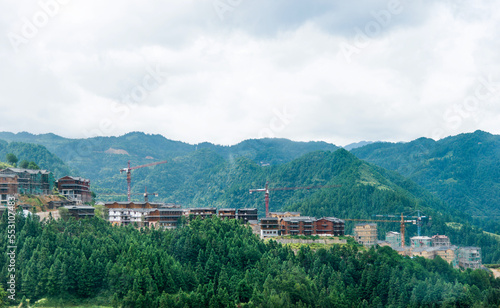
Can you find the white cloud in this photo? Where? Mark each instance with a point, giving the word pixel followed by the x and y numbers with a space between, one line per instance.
pixel 232 79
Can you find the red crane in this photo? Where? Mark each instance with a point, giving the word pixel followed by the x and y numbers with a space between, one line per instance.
pixel 266 191
pixel 129 175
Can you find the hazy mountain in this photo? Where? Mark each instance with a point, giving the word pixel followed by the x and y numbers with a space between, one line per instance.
pixel 357 145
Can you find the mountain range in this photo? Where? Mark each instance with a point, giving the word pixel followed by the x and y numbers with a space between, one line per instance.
pixel 450 179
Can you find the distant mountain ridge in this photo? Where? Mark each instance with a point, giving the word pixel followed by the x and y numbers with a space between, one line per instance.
pixel 463 170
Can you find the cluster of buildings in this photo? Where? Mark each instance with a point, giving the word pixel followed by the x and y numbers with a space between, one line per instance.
pixel 148 214
pixel 291 223
pixel 422 246
pixel 16 181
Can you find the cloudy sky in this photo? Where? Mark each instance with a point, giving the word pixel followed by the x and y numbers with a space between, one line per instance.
pixel 228 70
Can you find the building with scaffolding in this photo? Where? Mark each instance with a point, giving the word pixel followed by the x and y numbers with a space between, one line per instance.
pixel 421 241
pixel 393 238
pixel 35 182
pixel 469 257
pixel 440 241
pixel 366 233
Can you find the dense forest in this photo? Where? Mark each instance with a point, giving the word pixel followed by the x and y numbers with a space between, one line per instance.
pixel 461 170
pixel 215 263
pixel 34 153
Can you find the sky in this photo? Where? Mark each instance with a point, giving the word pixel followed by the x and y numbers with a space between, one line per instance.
pixel 224 71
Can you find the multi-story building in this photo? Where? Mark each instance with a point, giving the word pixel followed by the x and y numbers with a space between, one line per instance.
pixel 421 241
pixel 469 257
pixel 202 212
pixel 366 233
pixel 329 226
pixel 35 182
pixel 440 241
pixel 447 253
pixel 269 227
pixel 8 187
pixel 126 216
pixel 80 211
pixel 393 238
pixel 227 213
pixel 298 225
pixel 75 189
pixel 247 215
pixel 164 217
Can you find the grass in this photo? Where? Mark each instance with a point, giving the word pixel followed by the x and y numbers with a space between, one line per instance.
pixel 493 234
pixel 454 225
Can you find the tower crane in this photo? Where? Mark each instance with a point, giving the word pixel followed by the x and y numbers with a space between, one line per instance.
pixel 129 175
pixel 418 219
pixel 266 191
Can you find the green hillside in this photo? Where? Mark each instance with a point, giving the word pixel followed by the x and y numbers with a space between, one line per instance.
pixel 219 263
pixel 36 153
pixel 463 170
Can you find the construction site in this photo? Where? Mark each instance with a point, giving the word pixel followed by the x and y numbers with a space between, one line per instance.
pixel 75 196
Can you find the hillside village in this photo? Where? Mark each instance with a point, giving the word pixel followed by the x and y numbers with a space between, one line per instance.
pixel 76 198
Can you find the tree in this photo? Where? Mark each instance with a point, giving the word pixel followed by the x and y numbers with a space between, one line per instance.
pixel 24 164
pixel 12 159
pixel 64 213
pixel 3 297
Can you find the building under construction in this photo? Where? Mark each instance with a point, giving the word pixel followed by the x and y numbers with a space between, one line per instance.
pixel 469 257
pixel 366 234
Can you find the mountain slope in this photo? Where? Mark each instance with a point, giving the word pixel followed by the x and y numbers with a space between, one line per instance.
pixel 463 170
pixel 37 153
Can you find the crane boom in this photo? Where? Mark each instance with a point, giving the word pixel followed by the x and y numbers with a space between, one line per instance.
pixel 129 175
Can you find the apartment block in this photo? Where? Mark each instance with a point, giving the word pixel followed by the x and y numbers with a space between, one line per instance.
pixel 366 234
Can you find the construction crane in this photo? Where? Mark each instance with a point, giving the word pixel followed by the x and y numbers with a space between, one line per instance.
pixel 129 175
pixel 419 219
pixel 402 222
pixel 146 194
pixel 266 191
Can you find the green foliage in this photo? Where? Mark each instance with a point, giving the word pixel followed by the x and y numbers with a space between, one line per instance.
pixel 220 263
pixel 462 170
pixel 11 158
pixel 36 156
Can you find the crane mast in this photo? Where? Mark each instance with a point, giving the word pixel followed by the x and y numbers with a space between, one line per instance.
pixel 129 174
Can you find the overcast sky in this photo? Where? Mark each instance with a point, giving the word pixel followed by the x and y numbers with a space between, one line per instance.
pixel 227 70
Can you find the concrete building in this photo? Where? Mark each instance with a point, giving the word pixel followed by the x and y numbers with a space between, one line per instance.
pixel 393 238
pixel 447 253
pixel 75 189
pixel 124 216
pixel 80 211
pixel 440 241
pixel 298 225
pixel 164 217
pixel 247 215
pixel 469 257
pixel 35 182
pixel 329 226
pixel 269 227
pixel 8 187
pixel 366 233
pixel 421 241
pixel 227 213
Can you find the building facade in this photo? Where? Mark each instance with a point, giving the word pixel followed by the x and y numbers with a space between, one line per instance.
pixel 366 234
pixel 329 226
pixel 298 225
pixel 227 213
pixel 421 241
pixel 75 189
pixel 202 212
pixel 35 182
pixel 164 217
pixel 269 227
pixel 440 241
pixel 80 211
pixel 8 187
pixel 393 238
pixel 469 257
pixel 247 215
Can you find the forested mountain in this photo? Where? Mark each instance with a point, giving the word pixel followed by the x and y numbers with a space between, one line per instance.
pixel 219 263
pixel 36 153
pixel 463 170
pixel 92 154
